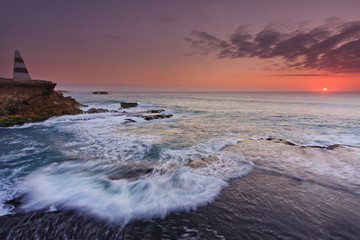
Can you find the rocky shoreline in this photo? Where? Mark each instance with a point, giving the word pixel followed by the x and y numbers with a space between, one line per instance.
pixel 30 101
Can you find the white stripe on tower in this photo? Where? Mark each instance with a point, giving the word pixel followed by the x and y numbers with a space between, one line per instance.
pixel 20 71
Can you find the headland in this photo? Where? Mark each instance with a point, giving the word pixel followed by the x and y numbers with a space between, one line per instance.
pixel 23 101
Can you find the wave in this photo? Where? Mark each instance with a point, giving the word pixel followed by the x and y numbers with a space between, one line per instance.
pixel 121 200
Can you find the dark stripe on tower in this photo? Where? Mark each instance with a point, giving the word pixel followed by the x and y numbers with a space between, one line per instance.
pixel 20 70
pixel 19 60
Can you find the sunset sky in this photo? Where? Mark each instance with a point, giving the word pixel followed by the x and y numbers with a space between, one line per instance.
pixel 226 45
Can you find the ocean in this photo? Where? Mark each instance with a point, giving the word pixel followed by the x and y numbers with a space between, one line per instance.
pixel 91 176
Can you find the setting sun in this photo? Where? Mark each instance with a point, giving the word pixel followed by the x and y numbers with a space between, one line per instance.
pixel 324 89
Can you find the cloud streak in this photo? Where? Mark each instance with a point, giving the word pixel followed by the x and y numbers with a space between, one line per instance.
pixel 333 47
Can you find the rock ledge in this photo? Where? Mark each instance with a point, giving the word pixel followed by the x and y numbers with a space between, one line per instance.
pixel 32 101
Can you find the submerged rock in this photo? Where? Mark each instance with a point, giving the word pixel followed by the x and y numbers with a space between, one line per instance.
pixel 200 163
pixel 128 104
pixel 97 110
pixel 16 202
pixel 149 117
pixel 132 173
pixel 155 111
pixel 279 140
pixel 197 163
pixel 100 92
pixel 128 120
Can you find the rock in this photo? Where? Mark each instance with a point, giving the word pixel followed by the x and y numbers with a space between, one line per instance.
pixel 97 110
pixel 149 117
pixel 100 92
pixel 132 173
pixel 128 105
pixel 16 202
pixel 200 163
pixel 155 111
pixel 279 140
pixel 114 111
pixel 62 91
pixel 196 163
pixel 32 101
pixel 332 147
pixel 128 120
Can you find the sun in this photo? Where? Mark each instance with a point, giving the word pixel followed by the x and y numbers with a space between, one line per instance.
pixel 324 89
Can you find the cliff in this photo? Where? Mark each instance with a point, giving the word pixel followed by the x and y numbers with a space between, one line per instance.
pixel 32 101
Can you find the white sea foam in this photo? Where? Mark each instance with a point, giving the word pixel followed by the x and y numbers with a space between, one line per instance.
pixel 99 148
pixel 122 200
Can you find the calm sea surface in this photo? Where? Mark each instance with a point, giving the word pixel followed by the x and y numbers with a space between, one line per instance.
pixel 65 167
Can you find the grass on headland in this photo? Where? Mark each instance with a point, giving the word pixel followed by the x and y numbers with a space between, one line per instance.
pixel 19 120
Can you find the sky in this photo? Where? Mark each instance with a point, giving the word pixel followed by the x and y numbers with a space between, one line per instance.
pixel 196 45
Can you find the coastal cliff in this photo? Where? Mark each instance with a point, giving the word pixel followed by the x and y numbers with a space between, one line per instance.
pixel 32 101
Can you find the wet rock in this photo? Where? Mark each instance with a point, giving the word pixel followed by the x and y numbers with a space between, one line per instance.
pixel 197 163
pixel 128 120
pixel 128 104
pixel 114 111
pixel 332 147
pixel 132 173
pixel 100 92
pixel 200 163
pixel 15 201
pixel 97 110
pixel 279 140
pixel 155 111
pixel 149 117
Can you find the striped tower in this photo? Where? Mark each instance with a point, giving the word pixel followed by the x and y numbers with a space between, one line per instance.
pixel 20 71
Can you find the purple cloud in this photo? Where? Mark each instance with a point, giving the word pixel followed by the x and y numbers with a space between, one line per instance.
pixel 333 47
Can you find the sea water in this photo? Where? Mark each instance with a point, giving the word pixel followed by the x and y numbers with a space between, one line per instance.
pixel 69 162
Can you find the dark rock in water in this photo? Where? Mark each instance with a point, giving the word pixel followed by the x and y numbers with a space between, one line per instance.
pixel 97 110
pixel 332 147
pixel 200 163
pixel 149 117
pixel 128 120
pixel 197 163
pixel 132 173
pixel 100 92
pixel 279 140
pixel 32 101
pixel 155 111
pixel 15 201
pixel 114 111
pixel 128 105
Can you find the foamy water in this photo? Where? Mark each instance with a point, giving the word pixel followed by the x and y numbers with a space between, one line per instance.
pixel 97 164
